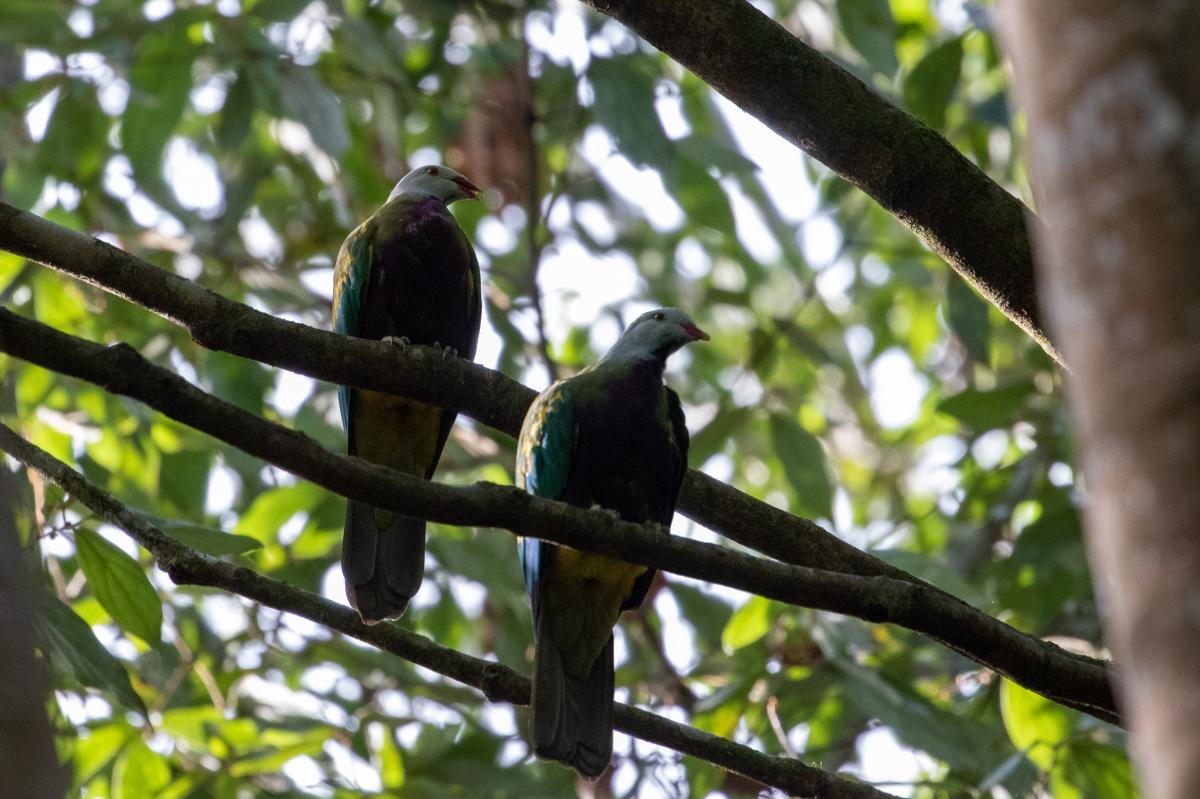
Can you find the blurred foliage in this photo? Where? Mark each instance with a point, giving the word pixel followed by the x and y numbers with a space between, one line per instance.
pixel 851 377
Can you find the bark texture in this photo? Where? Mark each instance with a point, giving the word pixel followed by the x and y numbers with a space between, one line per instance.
pixel 1113 95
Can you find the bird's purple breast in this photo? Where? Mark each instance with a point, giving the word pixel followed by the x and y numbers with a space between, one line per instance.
pixel 423 211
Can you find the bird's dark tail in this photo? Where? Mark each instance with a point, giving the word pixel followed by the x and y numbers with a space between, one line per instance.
pixel 383 560
pixel 572 717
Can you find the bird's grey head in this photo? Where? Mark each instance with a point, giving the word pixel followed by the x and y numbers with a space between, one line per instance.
pixel 656 334
pixel 437 181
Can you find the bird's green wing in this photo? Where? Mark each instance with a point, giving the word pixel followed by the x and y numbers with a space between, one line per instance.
pixel 350 275
pixel 545 451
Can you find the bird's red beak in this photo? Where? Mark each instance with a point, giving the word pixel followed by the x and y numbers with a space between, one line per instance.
pixel 472 191
pixel 695 332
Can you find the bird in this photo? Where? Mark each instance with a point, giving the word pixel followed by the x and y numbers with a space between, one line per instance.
pixel 613 436
pixel 407 275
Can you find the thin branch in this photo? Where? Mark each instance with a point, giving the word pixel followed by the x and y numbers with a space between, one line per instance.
pixel 1041 666
pixel 912 171
pixel 533 196
pixel 498 683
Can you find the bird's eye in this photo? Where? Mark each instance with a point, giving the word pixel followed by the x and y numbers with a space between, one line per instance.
pixel 660 316
pixel 431 171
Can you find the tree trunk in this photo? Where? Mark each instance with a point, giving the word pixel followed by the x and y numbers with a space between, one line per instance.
pixel 1113 96
pixel 28 761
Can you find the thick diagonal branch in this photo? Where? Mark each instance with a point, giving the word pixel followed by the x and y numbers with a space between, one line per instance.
pixel 1041 666
pixel 912 171
pixel 498 683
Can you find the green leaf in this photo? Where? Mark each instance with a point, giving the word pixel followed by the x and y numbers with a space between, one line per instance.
pixel 271 509
pixel 75 143
pixel 929 87
pixel 240 381
pixel 391 760
pixel 97 749
pixel 716 435
pixel 1090 770
pixel 310 102
pixel 703 778
pixel 968 318
pixel 803 462
pixel 237 112
pixel 120 585
pixel 699 194
pixel 707 614
pixel 160 82
pixel 1035 725
pixel 933 569
pixel 871 30
pixel 72 646
pixel 748 624
pixel 283 747
pixel 962 742
pixel 705 150
pixel 183 479
pixel 22 184
pixel 624 105
pixel 140 772
pixel 29 21
pixel 208 540
pixel 281 10
pixel 985 410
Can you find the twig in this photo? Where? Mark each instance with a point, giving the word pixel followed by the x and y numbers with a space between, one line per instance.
pixel 498 683
pixel 533 210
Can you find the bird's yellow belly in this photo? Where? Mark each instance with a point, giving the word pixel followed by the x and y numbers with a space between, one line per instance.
pixel 396 432
pixel 607 580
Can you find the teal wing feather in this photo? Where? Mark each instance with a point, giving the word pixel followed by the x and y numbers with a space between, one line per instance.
pixel 545 450
pixel 350 275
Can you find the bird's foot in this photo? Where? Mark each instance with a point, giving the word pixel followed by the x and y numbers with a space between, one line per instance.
pixel 447 351
pixel 613 516
pixel 397 341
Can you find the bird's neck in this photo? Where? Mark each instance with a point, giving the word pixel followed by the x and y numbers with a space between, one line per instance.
pixel 413 194
pixel 630 350
pixel 638 364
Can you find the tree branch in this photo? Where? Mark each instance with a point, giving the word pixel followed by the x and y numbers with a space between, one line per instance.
pixel 1039 665
pixel 909 169
pixel 498 683
pixel 485 395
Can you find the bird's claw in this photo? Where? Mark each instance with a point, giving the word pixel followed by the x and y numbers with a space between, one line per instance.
pixel 447 350
pixel 397 341
pixel 613 515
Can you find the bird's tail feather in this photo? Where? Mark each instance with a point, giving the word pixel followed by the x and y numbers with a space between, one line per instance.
pixel 572 717
pixel 383 563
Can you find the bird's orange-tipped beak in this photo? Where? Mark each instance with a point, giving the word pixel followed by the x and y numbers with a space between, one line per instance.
pixel 695 332
pixel 472 191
